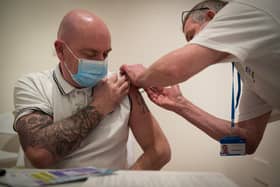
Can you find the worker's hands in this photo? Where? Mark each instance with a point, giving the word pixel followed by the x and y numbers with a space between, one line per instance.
pixel 109 93
pixel 169 98
pixel 133 72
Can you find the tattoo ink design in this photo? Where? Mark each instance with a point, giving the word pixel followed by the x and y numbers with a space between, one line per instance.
pixel 59 138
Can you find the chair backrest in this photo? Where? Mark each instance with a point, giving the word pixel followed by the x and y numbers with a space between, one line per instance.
pixel 6 123
pixel 8 141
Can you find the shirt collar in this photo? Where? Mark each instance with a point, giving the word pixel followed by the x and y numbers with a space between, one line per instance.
pixel 63 86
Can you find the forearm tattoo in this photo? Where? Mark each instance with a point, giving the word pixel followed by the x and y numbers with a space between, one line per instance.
pixel 141 102
pixel 60 138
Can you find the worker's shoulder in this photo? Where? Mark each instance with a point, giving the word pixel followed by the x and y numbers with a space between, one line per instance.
pixel 268 7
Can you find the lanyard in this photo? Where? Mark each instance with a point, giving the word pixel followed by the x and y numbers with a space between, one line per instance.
pixel 233 107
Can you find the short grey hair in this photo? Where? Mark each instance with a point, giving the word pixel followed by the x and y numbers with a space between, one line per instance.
pixel 198 11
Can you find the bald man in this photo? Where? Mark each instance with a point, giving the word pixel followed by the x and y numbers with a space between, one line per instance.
pixel 75 115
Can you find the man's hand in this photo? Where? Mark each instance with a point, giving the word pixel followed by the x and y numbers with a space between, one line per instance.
pixel 169 98
pixel 133 72
pixel 108 94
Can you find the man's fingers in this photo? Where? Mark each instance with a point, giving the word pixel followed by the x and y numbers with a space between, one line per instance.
pixel 149 91
pixel 151 94
pixel 121 80
pixel 113 78
pixel 104 79
pixel 157 90
pixel 123 68
pixel 124 87
pixel 123 73
pixel 154 89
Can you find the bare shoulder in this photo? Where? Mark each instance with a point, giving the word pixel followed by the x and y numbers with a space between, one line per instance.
pixel 137 101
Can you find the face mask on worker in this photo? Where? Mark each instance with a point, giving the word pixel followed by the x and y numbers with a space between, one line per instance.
pixel 90 72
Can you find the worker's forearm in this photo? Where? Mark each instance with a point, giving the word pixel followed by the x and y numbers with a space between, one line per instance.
pixel 251 130
pixel 214 127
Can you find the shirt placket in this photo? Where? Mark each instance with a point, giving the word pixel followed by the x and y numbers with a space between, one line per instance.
pixel 80 99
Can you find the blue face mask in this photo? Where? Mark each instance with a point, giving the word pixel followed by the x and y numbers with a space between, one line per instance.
pixel 90 72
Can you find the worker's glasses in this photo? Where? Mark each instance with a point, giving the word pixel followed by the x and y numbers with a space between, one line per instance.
pixel 185 13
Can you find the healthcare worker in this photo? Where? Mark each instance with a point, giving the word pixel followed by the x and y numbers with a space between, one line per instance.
pixel 246 32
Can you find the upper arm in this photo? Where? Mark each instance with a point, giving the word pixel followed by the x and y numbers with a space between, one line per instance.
pixel 181 64
pixel 252 130
pixel 191 59
pixel 28 127
pixel 143 125
pixel 243 35
pixel 31 94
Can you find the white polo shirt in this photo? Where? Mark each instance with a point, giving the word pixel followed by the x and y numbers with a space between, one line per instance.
pixel 105 146
pixel 249 30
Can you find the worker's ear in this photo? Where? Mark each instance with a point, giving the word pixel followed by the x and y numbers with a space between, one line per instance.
pixel 59 50
pixel 210 15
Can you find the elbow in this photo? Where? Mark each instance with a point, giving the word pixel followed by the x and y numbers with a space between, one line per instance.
pixel 39 158
pixel 252 144
pixel 251 147
pixel 166 155
pixel 163 155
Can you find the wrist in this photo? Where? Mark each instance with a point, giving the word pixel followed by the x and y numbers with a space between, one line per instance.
pixel 181 106
pixel 96 111
pixel 140 80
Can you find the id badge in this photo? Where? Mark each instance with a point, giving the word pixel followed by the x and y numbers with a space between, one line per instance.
pixel 233 146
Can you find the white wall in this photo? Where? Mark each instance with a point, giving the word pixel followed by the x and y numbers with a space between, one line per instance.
pixel 142 31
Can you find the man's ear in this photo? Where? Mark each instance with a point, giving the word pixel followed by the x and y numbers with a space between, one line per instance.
pixel 210 15
pixel 59 50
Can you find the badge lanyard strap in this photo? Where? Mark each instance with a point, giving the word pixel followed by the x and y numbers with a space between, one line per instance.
pixel 233 107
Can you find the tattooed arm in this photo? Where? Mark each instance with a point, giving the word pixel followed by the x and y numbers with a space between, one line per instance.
pixel 156 150
pixel 46 142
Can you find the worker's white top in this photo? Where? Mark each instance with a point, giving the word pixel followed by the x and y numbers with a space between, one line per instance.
pixel 249 30
pixel 105 147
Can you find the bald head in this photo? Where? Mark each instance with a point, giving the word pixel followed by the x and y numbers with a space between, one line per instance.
pixel 78 23
pixel 81 35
